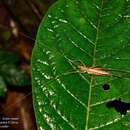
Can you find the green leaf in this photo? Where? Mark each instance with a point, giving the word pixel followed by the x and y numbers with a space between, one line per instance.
pixel 94 33
pixel 14 76
pixel 11 73
pixel 3 88
pixel 7 58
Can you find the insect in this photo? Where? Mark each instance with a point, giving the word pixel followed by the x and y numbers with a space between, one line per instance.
pixel 82 68
pixel 94 71
pixel 104 72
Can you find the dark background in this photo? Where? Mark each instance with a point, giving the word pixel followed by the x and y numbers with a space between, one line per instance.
pixel 19 21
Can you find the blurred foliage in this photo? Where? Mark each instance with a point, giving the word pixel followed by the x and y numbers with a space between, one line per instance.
pixel 7 58
pixel 14 76
pixel 26 16
pixel 27 13
pixel 10 73
pixel 3 87
pixel 23 18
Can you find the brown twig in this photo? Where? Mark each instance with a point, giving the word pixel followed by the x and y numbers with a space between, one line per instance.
pixel 14 17
pixel 21 33
pixel 35 9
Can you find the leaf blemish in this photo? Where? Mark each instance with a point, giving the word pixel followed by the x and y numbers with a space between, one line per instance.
pixel 106 86
pixel 120 106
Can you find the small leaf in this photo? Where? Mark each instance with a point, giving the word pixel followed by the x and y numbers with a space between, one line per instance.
pixel 14 76
pixel 7 58
pixel 91 33
pixel 9 70
pixel 3 88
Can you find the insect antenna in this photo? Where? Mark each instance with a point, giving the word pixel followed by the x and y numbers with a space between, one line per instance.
pixel 121 77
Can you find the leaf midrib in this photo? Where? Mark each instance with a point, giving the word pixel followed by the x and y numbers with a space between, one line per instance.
pixel 94 63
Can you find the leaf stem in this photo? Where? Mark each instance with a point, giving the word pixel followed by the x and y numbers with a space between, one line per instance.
pixel 94 62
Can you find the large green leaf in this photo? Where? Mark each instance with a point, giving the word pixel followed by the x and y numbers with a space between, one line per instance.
pixel 76 32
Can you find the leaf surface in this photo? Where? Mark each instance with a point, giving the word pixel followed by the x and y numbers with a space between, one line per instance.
pixel 94 33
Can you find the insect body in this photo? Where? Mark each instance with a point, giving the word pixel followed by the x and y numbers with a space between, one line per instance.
pixel 94 71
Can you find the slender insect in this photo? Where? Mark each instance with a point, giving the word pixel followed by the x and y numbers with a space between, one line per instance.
pixel 79 69
pixel 94 71
pixel 103 72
